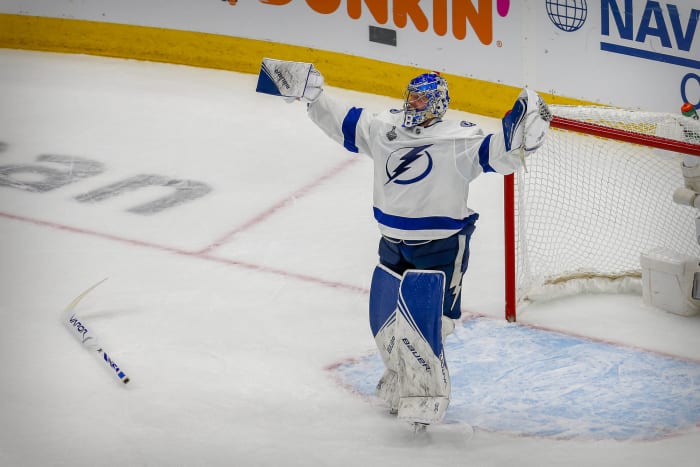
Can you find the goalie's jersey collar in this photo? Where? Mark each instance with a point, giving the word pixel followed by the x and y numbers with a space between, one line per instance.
pixel 418 129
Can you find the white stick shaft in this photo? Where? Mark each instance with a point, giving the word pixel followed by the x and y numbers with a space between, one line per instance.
pixel 102 355
pixel 79 329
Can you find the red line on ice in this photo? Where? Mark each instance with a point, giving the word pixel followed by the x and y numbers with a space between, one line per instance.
pixel 303 191
pixel 205 254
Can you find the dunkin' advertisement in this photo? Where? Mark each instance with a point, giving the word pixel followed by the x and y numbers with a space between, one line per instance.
pixel 628 53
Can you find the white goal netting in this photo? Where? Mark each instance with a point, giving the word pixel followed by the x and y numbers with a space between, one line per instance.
pixel 588 206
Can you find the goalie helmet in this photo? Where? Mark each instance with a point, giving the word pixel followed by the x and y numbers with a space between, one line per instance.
pixel 426 97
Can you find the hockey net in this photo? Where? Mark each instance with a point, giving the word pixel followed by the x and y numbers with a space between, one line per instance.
pixel 592 199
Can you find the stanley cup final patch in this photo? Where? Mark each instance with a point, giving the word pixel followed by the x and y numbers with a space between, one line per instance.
pixel 283 78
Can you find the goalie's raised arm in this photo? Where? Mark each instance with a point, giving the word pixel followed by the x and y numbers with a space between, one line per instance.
pixel 525 125
pixel 291 80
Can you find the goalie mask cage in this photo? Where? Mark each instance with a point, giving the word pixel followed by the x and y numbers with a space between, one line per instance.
pixel 592 199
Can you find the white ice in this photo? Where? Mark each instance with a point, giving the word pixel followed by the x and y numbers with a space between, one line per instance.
pixel 227 311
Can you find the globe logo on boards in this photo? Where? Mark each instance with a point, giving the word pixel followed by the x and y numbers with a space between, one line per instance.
pixel 567 15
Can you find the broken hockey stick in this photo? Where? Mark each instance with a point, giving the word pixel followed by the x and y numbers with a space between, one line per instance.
pixel 87 338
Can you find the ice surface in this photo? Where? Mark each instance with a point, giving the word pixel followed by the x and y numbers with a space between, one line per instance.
pixel 231 312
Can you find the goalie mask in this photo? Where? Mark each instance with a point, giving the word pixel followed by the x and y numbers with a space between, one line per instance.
pixel 426 97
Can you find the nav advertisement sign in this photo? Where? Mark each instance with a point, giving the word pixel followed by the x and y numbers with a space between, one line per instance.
pixel 665 34
pixel 629 53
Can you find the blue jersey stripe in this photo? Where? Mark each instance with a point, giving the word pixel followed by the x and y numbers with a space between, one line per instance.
pixel 419 223
pixel 484 155
pixel 350 128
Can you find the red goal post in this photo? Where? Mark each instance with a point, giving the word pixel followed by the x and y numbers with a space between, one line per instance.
pixel 594 197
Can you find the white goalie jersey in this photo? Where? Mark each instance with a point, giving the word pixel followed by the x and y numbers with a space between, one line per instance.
pixel 421 174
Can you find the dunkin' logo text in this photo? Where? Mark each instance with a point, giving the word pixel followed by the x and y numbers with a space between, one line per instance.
pixel 455 15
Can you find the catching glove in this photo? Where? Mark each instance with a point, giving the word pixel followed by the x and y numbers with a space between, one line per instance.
pixel 525 125
pixel 291 80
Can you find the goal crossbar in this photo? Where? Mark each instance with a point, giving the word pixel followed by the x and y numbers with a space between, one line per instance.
pixel 624 135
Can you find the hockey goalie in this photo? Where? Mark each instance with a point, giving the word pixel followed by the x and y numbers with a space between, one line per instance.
pixel 423 165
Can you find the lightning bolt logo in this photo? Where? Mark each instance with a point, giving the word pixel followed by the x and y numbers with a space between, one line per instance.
pixel 406 164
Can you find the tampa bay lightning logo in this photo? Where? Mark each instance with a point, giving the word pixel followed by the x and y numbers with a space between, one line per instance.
pixel 409 165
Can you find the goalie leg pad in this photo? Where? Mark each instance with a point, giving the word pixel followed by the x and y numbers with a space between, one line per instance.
pixel 388 390
pixel 383 299
pixel 423 378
